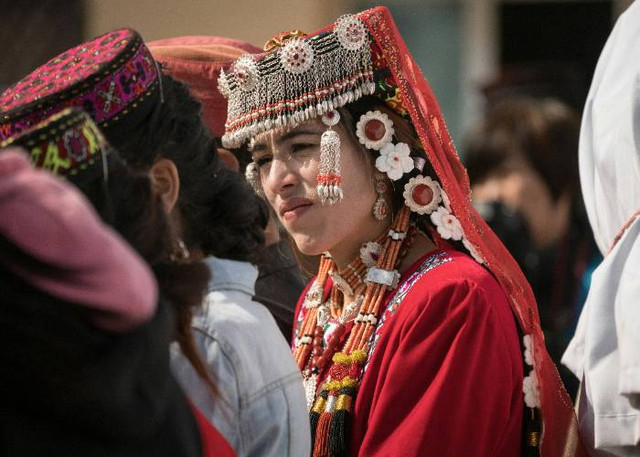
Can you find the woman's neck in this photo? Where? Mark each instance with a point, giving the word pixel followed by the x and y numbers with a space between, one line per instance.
pixel 421 245
pixel 345 253
pixel 348 250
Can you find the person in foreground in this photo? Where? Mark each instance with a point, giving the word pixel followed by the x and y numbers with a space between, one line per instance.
pixel 408 336
pixel 605 351
pixel 85 330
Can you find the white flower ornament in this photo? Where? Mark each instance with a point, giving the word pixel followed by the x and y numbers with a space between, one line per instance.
pixel 472 250
pixel 447 224
pixel 395 160
pixel 531 390
pixel 527 341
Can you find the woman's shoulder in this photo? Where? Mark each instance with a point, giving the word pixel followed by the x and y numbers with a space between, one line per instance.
pixel 445 268
pixel 452 279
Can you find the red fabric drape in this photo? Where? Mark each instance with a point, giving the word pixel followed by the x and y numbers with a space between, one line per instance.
pixel 560 435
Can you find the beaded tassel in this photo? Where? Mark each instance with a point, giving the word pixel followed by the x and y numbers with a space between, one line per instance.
pixel 329 177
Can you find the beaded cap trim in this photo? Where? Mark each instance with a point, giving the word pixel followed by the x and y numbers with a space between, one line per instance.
pixel 108 77
pixel 301 80
pixel 67 144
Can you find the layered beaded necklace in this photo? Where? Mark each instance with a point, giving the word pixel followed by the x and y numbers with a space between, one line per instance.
pixel 356 296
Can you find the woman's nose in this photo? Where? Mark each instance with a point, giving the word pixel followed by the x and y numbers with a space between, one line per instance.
pixel 281 177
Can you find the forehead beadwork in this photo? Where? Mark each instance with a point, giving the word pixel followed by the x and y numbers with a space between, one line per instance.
pixel 299 78
pixel 246 72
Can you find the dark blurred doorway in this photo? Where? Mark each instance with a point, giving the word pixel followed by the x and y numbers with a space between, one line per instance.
pixel 550 48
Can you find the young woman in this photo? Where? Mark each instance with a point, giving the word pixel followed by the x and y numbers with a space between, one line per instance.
pixel 408 336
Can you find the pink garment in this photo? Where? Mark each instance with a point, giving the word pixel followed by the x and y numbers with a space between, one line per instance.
pixel 86 263
pixel 197 61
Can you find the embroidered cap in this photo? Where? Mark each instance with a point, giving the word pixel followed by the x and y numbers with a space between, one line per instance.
pixel 113 78
pixel 68 144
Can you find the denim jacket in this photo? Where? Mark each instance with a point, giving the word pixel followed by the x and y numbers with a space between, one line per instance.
pixel 261 410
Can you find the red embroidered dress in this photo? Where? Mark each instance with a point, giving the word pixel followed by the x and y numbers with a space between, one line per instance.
pixel 444 373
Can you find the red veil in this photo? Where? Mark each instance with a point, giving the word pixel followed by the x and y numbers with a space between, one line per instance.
pixel 560 433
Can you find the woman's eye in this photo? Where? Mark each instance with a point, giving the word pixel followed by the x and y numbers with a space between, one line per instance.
pixel 262 161
pixel 301 147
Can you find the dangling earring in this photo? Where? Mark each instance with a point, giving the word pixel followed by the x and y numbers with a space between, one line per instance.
pixel 252 175
pixel 329 174
pixel 180 251
pixel 381 207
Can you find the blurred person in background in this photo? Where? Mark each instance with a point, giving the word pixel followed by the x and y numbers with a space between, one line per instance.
pixel 522 160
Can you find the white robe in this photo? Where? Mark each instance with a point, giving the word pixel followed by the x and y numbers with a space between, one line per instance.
pixel 605 351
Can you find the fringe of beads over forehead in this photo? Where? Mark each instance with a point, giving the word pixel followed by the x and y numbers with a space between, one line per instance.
pixel 301 80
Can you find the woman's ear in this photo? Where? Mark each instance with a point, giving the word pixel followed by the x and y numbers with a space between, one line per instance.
pixel 165 181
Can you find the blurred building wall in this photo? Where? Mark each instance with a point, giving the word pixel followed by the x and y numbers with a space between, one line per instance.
pixel 456 42
pixel 254 21
pixel 33 31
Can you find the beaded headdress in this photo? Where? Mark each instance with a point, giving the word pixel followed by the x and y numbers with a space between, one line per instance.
pixel 113 78
pixel 68 144
pixel 306 77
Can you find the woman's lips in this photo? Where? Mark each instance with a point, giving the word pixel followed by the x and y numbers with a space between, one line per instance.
pixel 294 208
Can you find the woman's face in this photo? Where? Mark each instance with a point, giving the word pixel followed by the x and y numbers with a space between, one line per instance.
pixel 288 165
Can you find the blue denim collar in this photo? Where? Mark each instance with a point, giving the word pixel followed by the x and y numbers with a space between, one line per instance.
pixel 231 275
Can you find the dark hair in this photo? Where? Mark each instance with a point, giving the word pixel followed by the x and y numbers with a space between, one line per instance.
pixel 210 193
pixel 127 203
pixel 544 132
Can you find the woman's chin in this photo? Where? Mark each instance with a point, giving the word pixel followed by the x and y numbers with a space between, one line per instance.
pixel 308 246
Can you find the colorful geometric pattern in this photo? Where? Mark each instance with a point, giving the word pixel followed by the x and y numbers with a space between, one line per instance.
pixel 68 144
